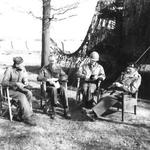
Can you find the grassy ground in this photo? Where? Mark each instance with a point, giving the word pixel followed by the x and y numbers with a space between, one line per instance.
pixel 78 133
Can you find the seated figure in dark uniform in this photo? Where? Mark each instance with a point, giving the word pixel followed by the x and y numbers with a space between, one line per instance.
pixel 53 75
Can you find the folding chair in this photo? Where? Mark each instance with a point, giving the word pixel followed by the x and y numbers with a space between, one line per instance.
pixel 45 98
pixel 4 97
pixel 96 95
pixel 128 102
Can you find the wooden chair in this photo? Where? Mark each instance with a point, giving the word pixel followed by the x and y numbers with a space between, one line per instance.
pixel 128 103
pixel 4 97
pixel 96 95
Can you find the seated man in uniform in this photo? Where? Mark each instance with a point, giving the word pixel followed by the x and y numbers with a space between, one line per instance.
pixel 15 77
pixel 53 75
pixel 129 81
pixel 90 74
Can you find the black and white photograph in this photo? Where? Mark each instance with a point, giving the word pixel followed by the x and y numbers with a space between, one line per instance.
pixel 74 74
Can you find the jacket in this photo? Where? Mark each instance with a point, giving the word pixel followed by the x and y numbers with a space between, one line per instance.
pixel 88 70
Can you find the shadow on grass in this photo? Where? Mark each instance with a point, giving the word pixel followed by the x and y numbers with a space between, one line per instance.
pixel 113 120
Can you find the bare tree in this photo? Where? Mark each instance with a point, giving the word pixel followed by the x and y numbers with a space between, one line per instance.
pixel 50 13
pixel 58 15
pixel 45 32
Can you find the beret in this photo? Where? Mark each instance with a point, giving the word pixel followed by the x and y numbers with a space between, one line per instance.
pixel 18 60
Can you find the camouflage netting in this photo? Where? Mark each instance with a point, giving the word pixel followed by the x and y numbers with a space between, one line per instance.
pixel 119 32
pixel 136 29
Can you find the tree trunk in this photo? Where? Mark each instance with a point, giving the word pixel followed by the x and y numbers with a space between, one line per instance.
pixel 45 32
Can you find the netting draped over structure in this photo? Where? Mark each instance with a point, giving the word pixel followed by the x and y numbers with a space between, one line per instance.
pixel 103 36
pixel 119 32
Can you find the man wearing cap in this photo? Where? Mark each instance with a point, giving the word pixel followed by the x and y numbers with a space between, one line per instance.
pixel 54 77
pixel 129 81
pixel 15 77
pixel 90 74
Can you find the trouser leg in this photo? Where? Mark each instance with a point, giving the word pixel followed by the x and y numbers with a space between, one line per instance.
pixel 63 97
pixel 28 94
pixel 52 94
pixel 91 90
pixel 24 105
pixel 88 90
pixel 85 91
pixel 64 101
pixel 104 105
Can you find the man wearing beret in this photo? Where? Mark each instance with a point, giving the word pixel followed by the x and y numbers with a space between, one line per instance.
pixel 15 77
pixel 54 77
pixel 129 81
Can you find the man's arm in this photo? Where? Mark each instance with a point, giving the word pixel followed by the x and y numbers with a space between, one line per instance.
pixel 83 72
pixel 6 79
pixel 41 76
pixel 101 75
pixel 25 77
pixel 63 75
pixel 134 86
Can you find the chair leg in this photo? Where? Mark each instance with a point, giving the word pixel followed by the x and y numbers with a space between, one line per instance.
pixel 135 109
pixel 41 104
pixel 1 106
pixel 9 104
pixel 10 111
pixel 123 110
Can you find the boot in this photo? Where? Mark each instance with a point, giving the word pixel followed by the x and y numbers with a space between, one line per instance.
pixel 30 121
pixel 53 114
pixel 67 115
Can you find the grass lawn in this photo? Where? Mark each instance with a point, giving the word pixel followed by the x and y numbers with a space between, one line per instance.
pixel 78 133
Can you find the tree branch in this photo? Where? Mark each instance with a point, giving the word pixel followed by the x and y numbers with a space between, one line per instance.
pixel 31 13
pixel 56 19
pixel 65 9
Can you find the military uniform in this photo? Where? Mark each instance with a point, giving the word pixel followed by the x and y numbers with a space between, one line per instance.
pixel 55 71
pixel 16 79
pixel 90 74
pixel 130 83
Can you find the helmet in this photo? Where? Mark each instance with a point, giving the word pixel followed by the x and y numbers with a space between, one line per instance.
pixel 94 56
pixel 52 59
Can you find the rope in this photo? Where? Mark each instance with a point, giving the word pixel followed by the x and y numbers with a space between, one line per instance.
pixel 142 55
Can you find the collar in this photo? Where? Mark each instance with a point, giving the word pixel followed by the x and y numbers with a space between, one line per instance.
pixel 93 65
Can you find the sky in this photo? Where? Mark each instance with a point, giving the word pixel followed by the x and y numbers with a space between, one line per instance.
pixel 19 26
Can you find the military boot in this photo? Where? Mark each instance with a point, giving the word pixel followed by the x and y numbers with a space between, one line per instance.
pixel 67 115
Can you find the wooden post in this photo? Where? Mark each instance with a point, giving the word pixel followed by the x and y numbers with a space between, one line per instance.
pixel 45 32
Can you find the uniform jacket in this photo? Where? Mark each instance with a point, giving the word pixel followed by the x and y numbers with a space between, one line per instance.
pixel 131 82
pixel 87 70
pixel 13 75
pixel 52 72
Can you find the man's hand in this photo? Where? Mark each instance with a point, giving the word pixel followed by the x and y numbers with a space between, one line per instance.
pixel 20 85
pixel 117 84
pixel 93 77
pixel 87 77
pixel 52 80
